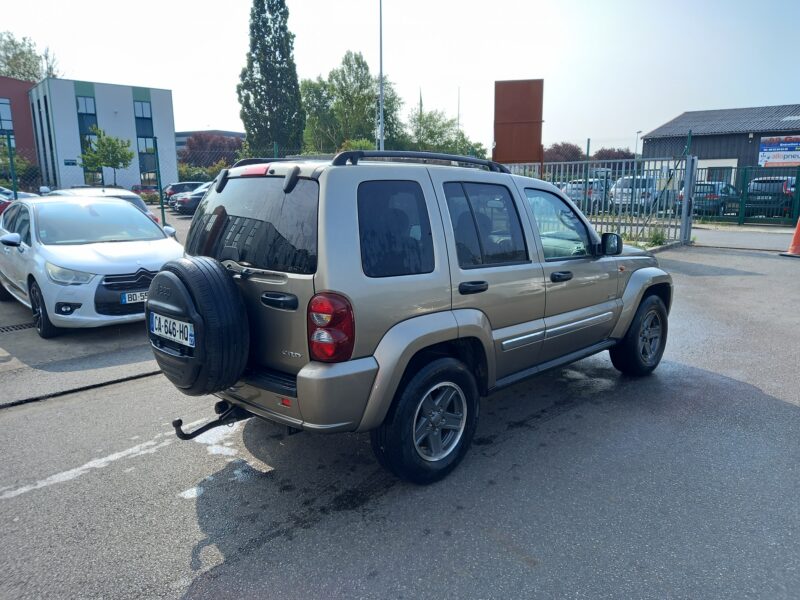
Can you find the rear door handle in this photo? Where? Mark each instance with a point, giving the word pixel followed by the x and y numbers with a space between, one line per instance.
pixel 279 300
pixel 557 276
pixel 472 287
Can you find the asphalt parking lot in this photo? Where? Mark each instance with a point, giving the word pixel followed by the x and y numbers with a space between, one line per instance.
pixel 581 483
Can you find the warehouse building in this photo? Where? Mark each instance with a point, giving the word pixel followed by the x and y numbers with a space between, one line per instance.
pixel 766 136
pixel 65 111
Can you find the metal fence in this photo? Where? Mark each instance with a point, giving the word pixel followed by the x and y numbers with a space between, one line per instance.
pixel 638 199
pixel 755 195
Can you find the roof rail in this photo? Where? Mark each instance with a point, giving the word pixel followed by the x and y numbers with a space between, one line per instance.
pixel 255 161
pixel 353 156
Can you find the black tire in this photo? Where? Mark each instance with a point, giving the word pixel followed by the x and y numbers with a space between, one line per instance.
pixel 200 291
pixel 393 442
pixel 44 327
pixel 635 356
pixel 4 294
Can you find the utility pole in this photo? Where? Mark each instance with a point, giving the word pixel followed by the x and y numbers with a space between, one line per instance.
pixel 380 75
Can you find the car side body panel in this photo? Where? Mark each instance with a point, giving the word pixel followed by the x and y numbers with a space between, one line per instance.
pixel 637 284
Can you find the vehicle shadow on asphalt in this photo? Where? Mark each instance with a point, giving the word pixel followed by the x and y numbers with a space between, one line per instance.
pixel 584 447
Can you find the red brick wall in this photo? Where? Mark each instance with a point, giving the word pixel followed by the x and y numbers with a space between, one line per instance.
pixel 16 90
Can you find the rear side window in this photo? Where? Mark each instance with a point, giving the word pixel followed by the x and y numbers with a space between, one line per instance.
pixel 253 222
pixel 485 224
pixel 394 229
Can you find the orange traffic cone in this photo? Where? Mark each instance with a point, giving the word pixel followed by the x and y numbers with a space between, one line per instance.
pixel 794 245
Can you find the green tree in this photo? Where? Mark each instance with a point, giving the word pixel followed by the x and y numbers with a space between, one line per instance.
pixel 321 133
pixel 20 59
pixel 564 152
pixel 345 107
pixel 433 131
pixel 106 151
pixel 269 92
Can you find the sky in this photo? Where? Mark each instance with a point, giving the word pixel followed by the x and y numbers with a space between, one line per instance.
pixel 610 67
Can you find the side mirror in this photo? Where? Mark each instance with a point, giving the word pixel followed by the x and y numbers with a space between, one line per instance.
pixel 44 190
pixel 11 239
pixel 170 231
pixel 611 244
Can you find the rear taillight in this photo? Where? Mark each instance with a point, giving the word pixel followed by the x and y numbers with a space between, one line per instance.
pixel 712 197
pixel 331 328
pixel 680 195
pixel 786 189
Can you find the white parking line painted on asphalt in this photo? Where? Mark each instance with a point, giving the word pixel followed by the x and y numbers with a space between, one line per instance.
pixel 149 447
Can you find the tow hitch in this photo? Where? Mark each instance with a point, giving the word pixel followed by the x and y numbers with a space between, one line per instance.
pixel 228 415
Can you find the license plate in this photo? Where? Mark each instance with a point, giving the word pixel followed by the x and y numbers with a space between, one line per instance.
pixel 172 329
pixel 762 198
pixel 132 297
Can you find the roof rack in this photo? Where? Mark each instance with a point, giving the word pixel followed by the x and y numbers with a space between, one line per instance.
pixel 353 156
pixel 255 161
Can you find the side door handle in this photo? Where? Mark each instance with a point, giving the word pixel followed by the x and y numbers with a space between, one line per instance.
pixel 279 300
pixel 557 276
pixel 472 287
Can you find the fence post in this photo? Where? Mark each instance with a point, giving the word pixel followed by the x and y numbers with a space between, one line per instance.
pixel 12 170
pixel 158 183
pixel 743 198
pixel 690 175
pixel 275 150
pixel 796 200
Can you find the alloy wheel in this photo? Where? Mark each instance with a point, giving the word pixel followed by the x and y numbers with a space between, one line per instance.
pixel 650 337
pixel 439 421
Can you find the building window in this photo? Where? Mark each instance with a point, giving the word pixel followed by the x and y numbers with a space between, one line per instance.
pixel 145 145
pixel 86 105
pixel 142 110
pixel 93 177
pixel 6 122
pixel 149 178
pixel 88 141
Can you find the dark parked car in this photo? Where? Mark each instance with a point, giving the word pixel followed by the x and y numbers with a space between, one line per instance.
pixel 144 189
pixel 770 197
pixel 711 198
pixel 187 203
pixel 180 187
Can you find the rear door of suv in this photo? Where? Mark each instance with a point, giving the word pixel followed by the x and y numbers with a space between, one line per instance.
pixel 268 239
pixel 494 265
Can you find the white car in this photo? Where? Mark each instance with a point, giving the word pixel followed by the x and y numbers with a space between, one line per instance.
pixel 80 261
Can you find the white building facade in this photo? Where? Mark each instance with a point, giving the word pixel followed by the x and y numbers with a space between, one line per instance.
pixel 65 112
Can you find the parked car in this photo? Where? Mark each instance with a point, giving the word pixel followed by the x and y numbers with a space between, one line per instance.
pixel 4 204
pixel 108 192
pixel 144 189
pixel 633 193
pixel 590 196
pixel 80 261
pixel 770 197
pixel 9 194
pixel 187 202
pixel 180 187
pixel 711 198
pixel 358 295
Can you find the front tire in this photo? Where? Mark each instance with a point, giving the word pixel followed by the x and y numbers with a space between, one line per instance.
pixel 44 327
pixel 640 351
pixel 431 424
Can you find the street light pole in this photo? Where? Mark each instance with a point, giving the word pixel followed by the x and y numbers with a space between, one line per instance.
pixel 380 75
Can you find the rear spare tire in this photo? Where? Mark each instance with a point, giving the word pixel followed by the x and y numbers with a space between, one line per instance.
pixel 197 325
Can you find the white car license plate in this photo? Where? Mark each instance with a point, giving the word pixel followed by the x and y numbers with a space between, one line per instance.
pixel 132 297
pixel 172 329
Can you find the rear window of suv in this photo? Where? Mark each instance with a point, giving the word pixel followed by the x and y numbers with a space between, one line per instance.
pixel 253 222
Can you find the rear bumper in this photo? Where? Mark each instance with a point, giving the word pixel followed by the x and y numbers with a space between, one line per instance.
pixel 324 397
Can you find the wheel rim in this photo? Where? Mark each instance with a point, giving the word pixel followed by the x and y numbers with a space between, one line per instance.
pixel 650 337
pixel 439 421
pixel 36 306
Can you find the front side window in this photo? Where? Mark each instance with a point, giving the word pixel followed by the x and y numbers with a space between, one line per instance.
pixel 563 234
pixel 9 216
pixel 486 225
pixel 22 225
pixel 394 229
